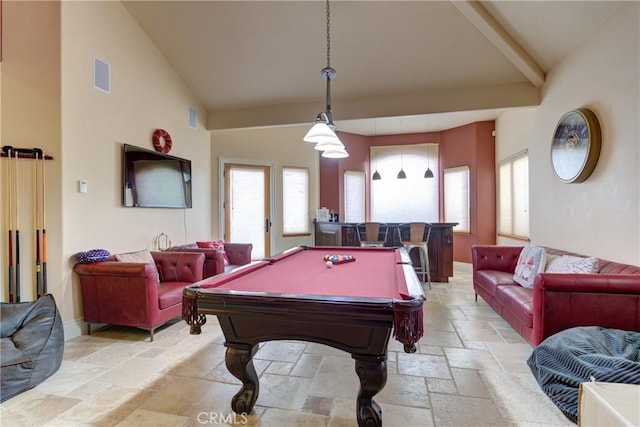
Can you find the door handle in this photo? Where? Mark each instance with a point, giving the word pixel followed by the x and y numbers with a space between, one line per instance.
pixel 267 224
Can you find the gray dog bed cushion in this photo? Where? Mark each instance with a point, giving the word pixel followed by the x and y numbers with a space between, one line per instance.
pixel 31 344
pixel 564 360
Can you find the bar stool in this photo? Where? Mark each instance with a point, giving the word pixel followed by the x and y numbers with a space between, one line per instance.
pixel 372 231
pixel 419 233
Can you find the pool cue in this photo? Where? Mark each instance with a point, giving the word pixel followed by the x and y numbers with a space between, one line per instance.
pixel 17 230
pixel 9 150
pixel 17 156
pixel 38 154
pixel 43 224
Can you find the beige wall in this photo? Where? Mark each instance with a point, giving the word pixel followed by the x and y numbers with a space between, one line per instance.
pixel 283 146
pixel 146 94
pixel 600 216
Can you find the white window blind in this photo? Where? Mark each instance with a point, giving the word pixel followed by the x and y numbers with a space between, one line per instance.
pixel 247 207
pixel 354 196
pixel 456 197
pixel 295 201
pixel 513 195
pixel 403 200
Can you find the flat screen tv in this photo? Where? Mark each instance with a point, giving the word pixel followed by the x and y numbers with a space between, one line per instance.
pixel 155 180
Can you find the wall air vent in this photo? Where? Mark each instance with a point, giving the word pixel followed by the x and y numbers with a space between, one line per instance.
pixel 101 75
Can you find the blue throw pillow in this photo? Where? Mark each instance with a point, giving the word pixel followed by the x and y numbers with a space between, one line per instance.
pixel 94 255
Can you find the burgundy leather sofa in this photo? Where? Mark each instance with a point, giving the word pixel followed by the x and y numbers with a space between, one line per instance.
pixel 557 301
pixel 238 254
pixel 130 294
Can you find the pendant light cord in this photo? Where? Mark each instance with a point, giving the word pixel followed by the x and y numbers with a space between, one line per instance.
pixel 328 72
pixel 323 131
pixel 328 35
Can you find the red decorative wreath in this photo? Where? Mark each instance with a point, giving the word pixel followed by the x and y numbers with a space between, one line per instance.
pixel 162 134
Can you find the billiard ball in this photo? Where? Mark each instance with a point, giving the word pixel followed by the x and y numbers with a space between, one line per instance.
pixel 329 264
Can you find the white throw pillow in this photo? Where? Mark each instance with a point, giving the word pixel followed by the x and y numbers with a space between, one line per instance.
pixel 555 264
pixel 143 256
pixel 532 261
pixel 573 264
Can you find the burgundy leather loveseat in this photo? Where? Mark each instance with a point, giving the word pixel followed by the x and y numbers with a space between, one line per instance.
pixel 237 253
pixel 130 294
pixel 557 301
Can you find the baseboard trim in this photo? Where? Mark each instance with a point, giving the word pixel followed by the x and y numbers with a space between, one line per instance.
pixel 73 328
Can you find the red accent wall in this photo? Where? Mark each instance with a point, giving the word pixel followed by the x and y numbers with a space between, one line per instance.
pixel 472 145
pixel 329 182
pixel 486 185
pixel 332 170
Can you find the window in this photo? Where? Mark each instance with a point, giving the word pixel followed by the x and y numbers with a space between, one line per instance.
pixel 403 200
pixel 295 201
pixel 456 197
pixel 513 196
pixel 354 196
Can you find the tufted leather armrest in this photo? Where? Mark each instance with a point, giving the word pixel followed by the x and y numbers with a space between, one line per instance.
pixel 172 266
pixel 115 268
pixel 563 301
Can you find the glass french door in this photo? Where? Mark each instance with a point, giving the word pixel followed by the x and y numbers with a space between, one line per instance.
pixel 247 208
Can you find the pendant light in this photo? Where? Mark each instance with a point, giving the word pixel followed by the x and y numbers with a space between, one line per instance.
pixel 428 173
pixel 401 174
pixel 376 175
pixel 322 133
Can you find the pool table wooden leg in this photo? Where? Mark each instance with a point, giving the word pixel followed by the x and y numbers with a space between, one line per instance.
pixel 239 360
pixel 372 371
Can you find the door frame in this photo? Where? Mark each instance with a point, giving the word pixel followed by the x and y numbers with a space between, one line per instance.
pixel 222 161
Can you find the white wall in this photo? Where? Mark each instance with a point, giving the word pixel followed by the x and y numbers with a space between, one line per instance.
pixel 600 216
pixel 284 147
pixel 146 94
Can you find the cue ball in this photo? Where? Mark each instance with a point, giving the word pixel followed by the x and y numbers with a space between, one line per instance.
pixel 329 264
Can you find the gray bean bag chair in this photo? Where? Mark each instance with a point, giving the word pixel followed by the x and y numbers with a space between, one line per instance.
pixel 573 356
pixel 31 346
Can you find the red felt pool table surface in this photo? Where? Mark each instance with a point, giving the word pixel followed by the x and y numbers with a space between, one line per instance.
pixel 375 273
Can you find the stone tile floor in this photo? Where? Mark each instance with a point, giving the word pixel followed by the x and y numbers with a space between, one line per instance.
pixel 470 370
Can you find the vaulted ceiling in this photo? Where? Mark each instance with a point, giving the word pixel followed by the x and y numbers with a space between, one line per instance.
pixel 402 66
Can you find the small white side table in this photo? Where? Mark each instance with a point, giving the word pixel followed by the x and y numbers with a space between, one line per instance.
pixel 608 404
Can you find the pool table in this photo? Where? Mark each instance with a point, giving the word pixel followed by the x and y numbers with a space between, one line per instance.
pixel 351 306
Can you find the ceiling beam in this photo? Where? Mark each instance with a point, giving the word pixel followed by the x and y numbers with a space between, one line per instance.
pixel 522 94
pixel 501 39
